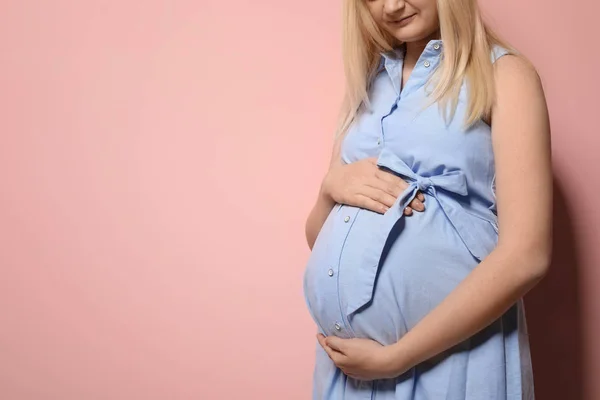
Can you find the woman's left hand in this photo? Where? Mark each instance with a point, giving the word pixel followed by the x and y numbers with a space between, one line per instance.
pixel 362 359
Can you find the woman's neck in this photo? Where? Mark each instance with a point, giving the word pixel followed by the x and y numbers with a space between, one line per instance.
pixel 413 52
pixel 415 49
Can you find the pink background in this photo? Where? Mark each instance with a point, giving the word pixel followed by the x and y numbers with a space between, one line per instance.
pixel 157 162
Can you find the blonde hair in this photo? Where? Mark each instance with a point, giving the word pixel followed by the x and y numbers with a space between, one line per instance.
pixel 468 44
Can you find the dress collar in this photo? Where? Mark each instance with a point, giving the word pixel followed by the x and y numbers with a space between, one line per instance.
pixel 396 54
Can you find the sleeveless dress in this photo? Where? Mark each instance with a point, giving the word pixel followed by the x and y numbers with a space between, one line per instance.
pixel 376 276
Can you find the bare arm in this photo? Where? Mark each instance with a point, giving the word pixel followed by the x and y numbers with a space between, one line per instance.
pixel 324 203
pixel 521 141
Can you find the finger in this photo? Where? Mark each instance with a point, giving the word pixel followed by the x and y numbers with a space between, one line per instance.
pixel 335 356
pixel 380 191
pixel 408 211
pixel 330 352
pixel 336 344
pixel 321 339
pixel 421 197
pixel 370 204
pixel 378 194
pixel 395 184
pixel 417 205
pixel 323 343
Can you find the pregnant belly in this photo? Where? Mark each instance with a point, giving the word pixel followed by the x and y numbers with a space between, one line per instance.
pixel 424 260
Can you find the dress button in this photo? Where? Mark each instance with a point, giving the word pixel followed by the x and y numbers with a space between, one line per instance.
pixel 338 327
pixel 378 142
pixel 330 272
pixel 426 64
pixel 436 46
pixel 347 219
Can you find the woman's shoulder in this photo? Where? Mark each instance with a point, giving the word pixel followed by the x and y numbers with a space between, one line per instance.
pixel 516 81
pixel 510 65
pixel 506 58
pixel 498 52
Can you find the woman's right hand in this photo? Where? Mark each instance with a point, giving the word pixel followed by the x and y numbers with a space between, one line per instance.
pixel 363 184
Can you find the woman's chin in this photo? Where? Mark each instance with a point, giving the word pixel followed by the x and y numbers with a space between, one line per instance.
pixel 409 33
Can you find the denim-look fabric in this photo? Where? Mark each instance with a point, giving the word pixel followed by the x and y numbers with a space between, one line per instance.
pixel 376 276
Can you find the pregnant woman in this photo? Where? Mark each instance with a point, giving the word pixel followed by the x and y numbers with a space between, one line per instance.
pixel 422 243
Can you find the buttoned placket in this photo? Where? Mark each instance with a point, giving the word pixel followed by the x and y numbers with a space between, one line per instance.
pixel 338 324
pixel 394 65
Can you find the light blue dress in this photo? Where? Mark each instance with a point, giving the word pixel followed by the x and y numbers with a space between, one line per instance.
pixel 376 276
